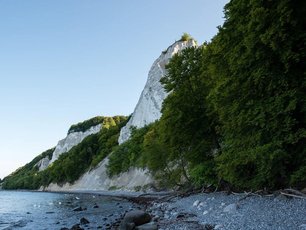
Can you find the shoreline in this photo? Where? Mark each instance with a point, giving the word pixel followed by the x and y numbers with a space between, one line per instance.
pixel 216 210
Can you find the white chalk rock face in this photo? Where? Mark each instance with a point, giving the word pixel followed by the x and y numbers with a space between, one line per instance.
pixel 148 108
pixel 43 163
pixel 97 179
pixel 72 140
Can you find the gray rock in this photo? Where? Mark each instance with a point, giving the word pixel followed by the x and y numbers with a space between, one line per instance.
pixel 208 227
pixel 84 221
pixel 280 197
pixel 134 218
pixel 231 208
pixel 78 209
pixel 148 226
pixel 76 227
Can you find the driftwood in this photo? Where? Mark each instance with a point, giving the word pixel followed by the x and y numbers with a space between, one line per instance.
pixel 286 192
pixel 258 193
pixel 295 192
pixel 166 197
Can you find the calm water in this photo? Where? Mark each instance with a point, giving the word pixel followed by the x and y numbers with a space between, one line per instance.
pixel 39 210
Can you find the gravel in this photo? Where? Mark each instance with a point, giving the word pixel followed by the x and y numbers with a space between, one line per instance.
pixel 231 212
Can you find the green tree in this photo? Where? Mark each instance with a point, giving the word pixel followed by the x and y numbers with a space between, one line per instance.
pixel 186 127
pixel 257 73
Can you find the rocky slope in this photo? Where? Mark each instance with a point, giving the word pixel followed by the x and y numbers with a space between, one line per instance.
pixel 148 108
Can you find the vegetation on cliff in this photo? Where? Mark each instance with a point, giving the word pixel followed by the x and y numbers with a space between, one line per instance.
pixel 235 114
pixel 71 165
pixel 85 125
pixel 236 111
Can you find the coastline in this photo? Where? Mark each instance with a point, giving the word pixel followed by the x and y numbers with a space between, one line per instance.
pixel 216 210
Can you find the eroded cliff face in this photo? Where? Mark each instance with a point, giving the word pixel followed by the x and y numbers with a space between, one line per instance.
pixel 72 140
pixel 43 163
pixel 148 108
pixel 97 179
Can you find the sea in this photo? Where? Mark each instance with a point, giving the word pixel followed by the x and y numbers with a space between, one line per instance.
pixel 43 210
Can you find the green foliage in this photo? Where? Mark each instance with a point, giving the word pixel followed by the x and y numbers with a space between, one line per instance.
pixel 236 106
pixel 257 76
pixel 91 151
pixel 155 153
pixel 204 174
pixel 186 127
pixel 128 154
pixel 185 37
pixel 236 111
pixel 26 176
pixel 85 125
pixel 71 165
pixel 298 178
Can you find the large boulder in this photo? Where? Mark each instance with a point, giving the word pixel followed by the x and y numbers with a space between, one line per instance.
pixel 134 218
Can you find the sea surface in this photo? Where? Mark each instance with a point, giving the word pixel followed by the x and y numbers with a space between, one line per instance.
pixel 42 210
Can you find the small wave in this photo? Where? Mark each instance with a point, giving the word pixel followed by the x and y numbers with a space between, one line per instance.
pixel 4 225
pixel 17 224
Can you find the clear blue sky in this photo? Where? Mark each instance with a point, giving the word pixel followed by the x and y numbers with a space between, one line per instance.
pixel 62 62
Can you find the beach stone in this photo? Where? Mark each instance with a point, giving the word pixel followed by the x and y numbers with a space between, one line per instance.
pixel 196 203
pixel 76 227
pixel 202 204
pixel 84 221
pixel 64 228
pixel 280 197
pixel 230 208
pixel 96 206
pixel 78 209
pixel 148 226
pixel 209 227
pixel 134 218
pixel 180 215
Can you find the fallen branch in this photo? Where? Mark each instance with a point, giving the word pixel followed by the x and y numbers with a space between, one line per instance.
pixel 292 195
pixel 296 192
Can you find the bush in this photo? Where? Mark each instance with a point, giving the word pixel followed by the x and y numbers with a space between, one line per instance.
pixel 185 37
pixel 128 154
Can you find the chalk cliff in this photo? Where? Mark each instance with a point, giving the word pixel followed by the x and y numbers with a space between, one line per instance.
pixel 97 179
pixel 148 108
pixel 72 140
